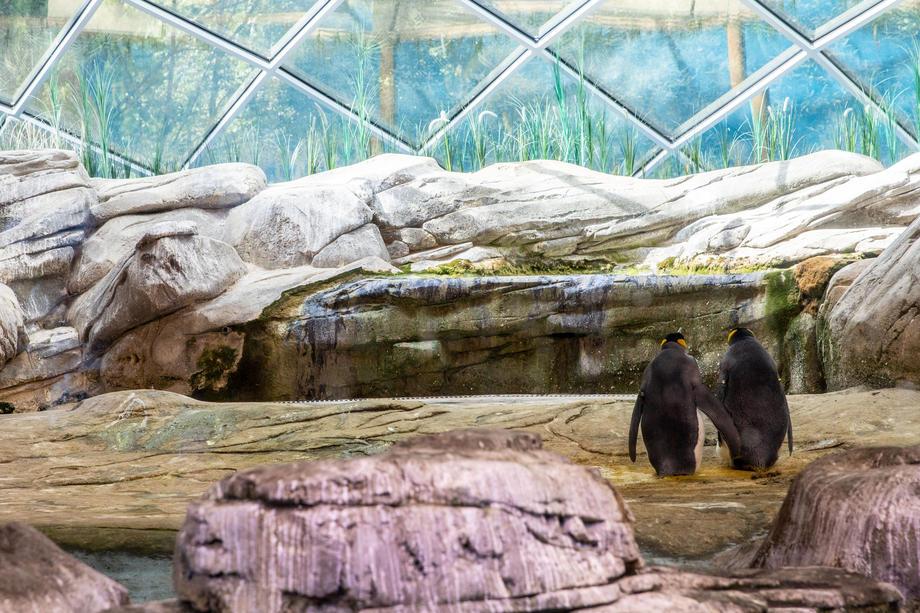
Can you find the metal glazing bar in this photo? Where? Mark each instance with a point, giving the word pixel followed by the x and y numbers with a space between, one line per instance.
pixel 343 110
pixel 657 159
pixel 313 19
pixel 246 94
pixel 539 48
pixel 206 36
pixel 853 88
pixel 292 40
pixel 49 52
pixel 51 59
pixel 795 57
pixel 814 51
pixel 523 56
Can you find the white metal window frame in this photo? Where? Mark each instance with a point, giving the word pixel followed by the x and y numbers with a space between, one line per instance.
pixel 801 50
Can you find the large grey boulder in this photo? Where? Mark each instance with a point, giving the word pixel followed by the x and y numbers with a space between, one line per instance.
pixel 872 333
pixel 365 242
pixel 855 510
pixel 116 239
pixel 481 519
pixel 198 348
pixel 162 275
pixel 11 324
pixel 211 187
pixel 38 577
pixel 288 224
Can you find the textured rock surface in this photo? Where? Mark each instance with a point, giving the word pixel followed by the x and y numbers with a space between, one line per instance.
pixel 664 589
pixel 211 187
pixel 197 349
pixel 135 460
pixel 38 577
pixel 11 325
pixel 856 510
pixel 872 333
pixel 406 336
pixel 116 239
pixel 428 524
pixel 163 275
pixel 67 242
pixel 288 224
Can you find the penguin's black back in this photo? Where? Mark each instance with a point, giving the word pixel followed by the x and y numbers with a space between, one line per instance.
pixel 753 395
pixel 670 427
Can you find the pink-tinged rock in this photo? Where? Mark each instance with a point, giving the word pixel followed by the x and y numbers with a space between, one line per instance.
pixel 858 510
pixel 36 576
pixel 483 518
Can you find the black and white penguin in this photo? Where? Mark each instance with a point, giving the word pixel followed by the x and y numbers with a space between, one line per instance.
pixel 751 391
pixel 671 394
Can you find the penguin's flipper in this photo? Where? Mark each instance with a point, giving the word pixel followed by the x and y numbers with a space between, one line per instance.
pixel 717 414
pixel 788 424
pixel 634 425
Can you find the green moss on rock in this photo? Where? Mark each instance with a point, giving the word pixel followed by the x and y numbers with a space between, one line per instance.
pixel 782 301
pixel 213 365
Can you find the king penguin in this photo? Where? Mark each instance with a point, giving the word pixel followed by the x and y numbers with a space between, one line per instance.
pixel 750 390
pixel 670 396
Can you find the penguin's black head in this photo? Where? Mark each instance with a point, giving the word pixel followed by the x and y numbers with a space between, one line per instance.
pixel 674 337
pixel 739 333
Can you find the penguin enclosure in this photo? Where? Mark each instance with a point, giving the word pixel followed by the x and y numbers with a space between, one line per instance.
pixel 459 305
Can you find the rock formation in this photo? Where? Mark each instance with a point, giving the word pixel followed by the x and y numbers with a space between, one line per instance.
pixel 38 577
pixel 469 520
pixel 855 510
pixel 872 331
pixel 483 518
pixel 133 268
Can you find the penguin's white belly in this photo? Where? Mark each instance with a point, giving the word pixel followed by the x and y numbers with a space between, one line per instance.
pixel 698 451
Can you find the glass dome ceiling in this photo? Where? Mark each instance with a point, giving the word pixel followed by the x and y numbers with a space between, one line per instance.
pixel 299 86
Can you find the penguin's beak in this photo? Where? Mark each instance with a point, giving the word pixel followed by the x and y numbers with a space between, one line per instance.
pixel 682 343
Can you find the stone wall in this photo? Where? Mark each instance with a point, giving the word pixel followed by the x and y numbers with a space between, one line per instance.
pixel 164 282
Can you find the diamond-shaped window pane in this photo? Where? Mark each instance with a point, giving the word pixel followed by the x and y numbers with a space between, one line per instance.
pixel 529 15
pixel 258 25
pixel 402 63
pixel 27 30
pixel 529 117
pixel 290 135
pixel 669 61
pixel 813 18
pixel 884 57
pixel 803 112
pixel 134 85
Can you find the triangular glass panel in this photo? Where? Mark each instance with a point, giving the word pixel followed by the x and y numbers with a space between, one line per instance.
pixel 532 17
pixel 884 58
pixel 668 61
pixel 133 85
pixel 541 113
pixel 27 31
pixel 804 111
pixel 258 25
pixel 290 135
pixel 814 18
pixel 402 63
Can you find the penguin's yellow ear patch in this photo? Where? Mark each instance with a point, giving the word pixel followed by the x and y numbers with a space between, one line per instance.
pixel 682 343
pixel 731 334
pixel 663 341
